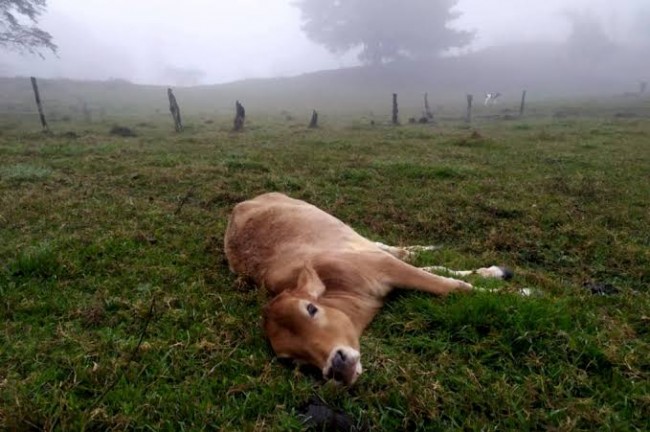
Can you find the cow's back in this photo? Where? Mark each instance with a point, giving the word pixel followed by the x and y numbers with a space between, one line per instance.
pixel 274 230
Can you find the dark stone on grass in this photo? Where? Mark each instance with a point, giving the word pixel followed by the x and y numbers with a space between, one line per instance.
pixel 93 316
pixel 145 239
pixel 316 415
pixel 626 115
pixel 70 135
pixel 122 131
pixel 599 288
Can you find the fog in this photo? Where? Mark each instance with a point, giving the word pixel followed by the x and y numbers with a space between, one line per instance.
pixel 216 41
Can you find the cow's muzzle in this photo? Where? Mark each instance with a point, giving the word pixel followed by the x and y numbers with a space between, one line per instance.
pixel 343 365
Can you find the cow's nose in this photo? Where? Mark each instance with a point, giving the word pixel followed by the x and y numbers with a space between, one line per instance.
pixel 339 359
pixel 344 366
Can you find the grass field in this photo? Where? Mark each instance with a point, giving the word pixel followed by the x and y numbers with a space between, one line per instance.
pixel 118 311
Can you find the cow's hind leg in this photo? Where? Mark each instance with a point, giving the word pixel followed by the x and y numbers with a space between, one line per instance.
pixel 405 253
pixel 495 272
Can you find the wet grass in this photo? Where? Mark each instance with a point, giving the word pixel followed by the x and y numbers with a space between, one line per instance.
pixel 106 240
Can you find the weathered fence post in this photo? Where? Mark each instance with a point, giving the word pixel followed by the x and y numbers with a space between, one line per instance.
pixel 88 118
pixel 523 103
pixel 468 118
pixel 37 96
pixel 175 110
pixel 395 110
pixel 427 110
pixel 240 116
pixel 313 124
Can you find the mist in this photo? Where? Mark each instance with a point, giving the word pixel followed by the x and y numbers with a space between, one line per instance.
pixel 549 46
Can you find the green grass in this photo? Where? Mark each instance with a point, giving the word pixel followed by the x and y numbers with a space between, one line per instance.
pixel 23 172
pixel 93 234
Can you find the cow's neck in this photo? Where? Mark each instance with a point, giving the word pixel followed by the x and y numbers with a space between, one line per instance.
pixel 350 286
pixel 360 309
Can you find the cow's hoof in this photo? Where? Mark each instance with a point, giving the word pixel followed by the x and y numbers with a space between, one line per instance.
pixel 507 274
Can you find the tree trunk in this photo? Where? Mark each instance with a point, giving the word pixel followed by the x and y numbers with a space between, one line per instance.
pixel 175 110
pixel 37 96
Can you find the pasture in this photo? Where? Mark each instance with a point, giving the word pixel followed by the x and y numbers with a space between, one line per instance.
pixel 118 310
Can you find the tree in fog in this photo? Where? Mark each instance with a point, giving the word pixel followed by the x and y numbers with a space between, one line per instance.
pixel 18 31
pixel 588 39
pixel 642 28
pixel 384 30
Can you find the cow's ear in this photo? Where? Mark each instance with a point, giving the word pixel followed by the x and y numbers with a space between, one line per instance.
pixel 309 283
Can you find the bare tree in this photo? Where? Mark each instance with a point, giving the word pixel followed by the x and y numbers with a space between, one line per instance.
pixel 383 30
pixel 16 34
pixel 588 39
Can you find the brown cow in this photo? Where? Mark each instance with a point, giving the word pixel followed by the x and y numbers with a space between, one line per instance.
pixel 327 281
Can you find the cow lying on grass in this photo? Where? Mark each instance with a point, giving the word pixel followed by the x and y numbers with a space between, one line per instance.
pixel 327 281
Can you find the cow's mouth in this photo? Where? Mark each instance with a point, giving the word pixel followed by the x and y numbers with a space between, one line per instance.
pixel 343 365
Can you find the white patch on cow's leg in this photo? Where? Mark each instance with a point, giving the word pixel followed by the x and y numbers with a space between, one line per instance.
pixel 405 253
pixel 491 272
pixel 390 249
pixel 419 248
pixel 395 251
pixel 461 273
pixel 495 272
pixel 481 289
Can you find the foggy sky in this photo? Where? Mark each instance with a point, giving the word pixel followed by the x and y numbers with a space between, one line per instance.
pixel 213 41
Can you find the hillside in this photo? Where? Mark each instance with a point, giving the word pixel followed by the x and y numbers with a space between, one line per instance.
pixel 545 70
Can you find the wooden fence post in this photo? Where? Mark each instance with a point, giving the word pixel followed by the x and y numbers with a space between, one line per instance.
pixel 240 116
pixel 427 110
pixel 468 117
pixel 37 96
pixel 395 110
pixel 175 110
pixel 523 103
pixel 313 124
pixel 88 117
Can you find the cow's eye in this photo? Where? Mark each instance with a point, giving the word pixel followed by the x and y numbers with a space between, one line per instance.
pixel 311 309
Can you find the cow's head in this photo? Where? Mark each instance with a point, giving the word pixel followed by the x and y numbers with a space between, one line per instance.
pixel 303 329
